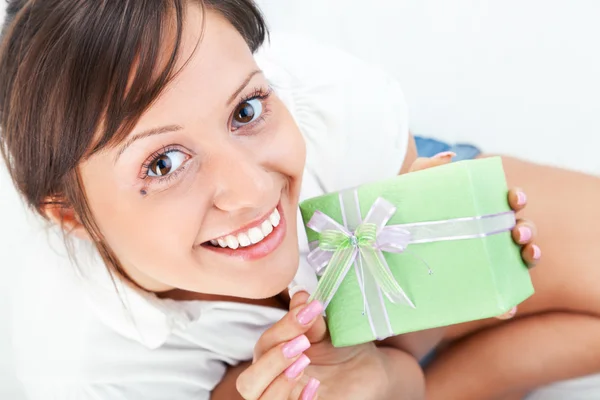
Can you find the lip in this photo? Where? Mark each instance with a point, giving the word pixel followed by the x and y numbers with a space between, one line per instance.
pixel 260 249
pixel 254 224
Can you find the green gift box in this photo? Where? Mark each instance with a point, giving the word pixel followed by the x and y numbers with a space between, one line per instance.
pixel 418 251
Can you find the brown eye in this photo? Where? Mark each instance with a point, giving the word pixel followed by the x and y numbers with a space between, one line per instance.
pixel 166 163
pixel 161 166
pixel 247 112
pixel 244 113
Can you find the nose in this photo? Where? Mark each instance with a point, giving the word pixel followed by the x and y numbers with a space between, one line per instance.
pixel 241 182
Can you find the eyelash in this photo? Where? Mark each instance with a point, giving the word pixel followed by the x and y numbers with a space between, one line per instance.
pixel 257 93
pixel 154 157
pixel 260 94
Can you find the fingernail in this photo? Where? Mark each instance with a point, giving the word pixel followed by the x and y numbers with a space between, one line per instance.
pixel 537 252
pixel 295 347
pixel 524 234
pixel 521 198
pixel 296 289
pixel 445 154
pixel 297 367
pixel 310 312
pixel 310 390
pixel 508 314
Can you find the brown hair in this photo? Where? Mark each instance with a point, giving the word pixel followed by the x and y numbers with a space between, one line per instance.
pixel 76 76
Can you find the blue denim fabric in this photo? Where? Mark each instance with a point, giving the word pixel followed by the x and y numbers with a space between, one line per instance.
pixel 427 147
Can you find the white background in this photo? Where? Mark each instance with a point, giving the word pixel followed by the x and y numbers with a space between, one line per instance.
pixel 515 77
pixel 519 77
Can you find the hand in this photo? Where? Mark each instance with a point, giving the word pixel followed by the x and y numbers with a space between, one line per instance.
pixel 277 370
pixel 281 367
pixel 524 231
pixel 361 372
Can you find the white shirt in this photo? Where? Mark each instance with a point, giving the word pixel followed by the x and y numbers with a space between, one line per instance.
pixel 74 339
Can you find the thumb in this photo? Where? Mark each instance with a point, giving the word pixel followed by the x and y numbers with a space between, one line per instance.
pixel 318 331
pixel 422 163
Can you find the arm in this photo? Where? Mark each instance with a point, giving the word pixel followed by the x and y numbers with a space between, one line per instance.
pixel 405 376
pixel 517 357
pixel 411 155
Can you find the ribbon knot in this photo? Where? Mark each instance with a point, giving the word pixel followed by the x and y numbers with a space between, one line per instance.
pixel 365 235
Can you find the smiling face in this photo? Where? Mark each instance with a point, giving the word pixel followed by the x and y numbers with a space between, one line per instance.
pixel 202 195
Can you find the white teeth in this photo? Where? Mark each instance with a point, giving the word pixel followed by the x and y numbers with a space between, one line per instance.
pixel 243 239
pixel 266 227
pixel 255 235
pixel 252 236
pixel 275 218
pixel 232 242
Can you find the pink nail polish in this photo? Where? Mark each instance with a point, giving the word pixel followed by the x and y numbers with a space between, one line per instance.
pixel 445 154
pixel 508 314
pixel 521 198
pixel 537 252
pixel 297 367
pixel 295 347
pixel 310 390
pixel 524 234
pixel 310 312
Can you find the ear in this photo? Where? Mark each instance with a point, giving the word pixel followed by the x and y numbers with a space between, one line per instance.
pixel 65 217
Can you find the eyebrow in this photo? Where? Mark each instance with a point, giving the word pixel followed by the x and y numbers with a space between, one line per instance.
pixel 142 135
pixel 243 85
pixel 173 128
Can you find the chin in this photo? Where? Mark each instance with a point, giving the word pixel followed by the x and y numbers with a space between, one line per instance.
pixel 277 277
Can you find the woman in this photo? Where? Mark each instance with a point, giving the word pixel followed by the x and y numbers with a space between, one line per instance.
pixel 152 131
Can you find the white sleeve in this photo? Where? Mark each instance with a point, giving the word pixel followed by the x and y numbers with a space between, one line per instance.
pixel 353 115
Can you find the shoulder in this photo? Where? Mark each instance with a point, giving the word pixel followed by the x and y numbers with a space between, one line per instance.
pixel 65 349
pixel 67 346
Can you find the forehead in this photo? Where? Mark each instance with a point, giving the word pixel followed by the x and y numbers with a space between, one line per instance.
pixel 212 63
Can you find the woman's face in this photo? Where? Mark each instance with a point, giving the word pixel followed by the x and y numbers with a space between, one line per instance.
pixel 202 195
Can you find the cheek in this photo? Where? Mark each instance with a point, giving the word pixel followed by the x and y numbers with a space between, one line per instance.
pixel 150 233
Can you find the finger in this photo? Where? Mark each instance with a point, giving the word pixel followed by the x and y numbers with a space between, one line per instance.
pixel 435 161
pixel 311 389
pixel 318 330
pixel 299 298
pixel 308 391
pixel 258 377
pixel 531 254
pixel 509 314
pixel 283 387
pixel 295 323
pixel 524 232
pixel 517 199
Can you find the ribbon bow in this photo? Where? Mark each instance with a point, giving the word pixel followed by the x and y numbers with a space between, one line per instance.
pixel 340 247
